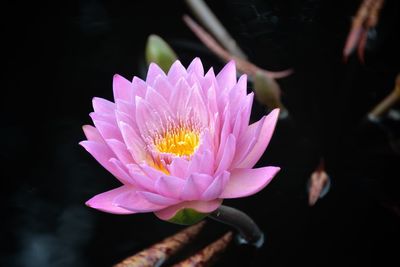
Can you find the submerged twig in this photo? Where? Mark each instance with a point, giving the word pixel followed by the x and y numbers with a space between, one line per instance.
pixel 213 25
pixel 387 102
pixel 158 253
pixel 208 254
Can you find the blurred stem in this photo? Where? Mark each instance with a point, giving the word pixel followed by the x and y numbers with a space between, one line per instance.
pixel 211 22
pixel 249 232
pixel 387 102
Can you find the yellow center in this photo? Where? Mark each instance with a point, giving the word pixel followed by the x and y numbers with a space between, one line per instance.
pixel 181 141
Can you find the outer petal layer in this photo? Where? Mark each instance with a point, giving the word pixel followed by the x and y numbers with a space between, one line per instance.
pixel 245 182
pixel 262 141
pixel 105 201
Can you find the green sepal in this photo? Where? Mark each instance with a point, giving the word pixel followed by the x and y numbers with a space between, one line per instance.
pixel 159 52
pixel 187 216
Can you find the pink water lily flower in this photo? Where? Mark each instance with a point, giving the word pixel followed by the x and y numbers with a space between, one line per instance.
pixel 179 143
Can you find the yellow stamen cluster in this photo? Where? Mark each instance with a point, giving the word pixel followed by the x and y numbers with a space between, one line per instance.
pixel 181 141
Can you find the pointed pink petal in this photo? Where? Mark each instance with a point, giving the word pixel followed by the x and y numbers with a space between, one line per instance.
pixel 163 87
pixel 120 150
pixel 153 72
pixel 101 105
pixel 228 154
pixel 196 67
pixel 216 187
pixel 179 97
pixel 106 129
pixel 122 88
pixel 135 202
pixel 196 103
pixel 92 134
pixel 105 201
pixel 140 179
pixel 147 119
pixel 200 206
pixel 169 186
pixel 178 167
pixel 123 175
pixel 247 141
pixel 176 72
pixel 133 142
pixel 158 199
pixel 226 78
pixel 195 185
pixel 225 131
pixel 125 107
pixel 139 87
pixel 160 105
pixel 151 172
pixel 246 182
pixel 262 142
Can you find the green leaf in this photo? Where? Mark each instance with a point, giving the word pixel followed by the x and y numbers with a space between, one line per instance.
pixel 187 216
pixel 159 52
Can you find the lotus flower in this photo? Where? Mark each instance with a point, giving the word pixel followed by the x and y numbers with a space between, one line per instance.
pixel 179 143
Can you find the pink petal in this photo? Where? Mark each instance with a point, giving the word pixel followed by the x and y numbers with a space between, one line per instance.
pixel 228 154
pixel 179 97
pixel 216 187
pixel 123 174
pixel 196 67
pixel 169 186
pixel 151 172
pixel 101 105
pixel 195 185
pixel 163 87
pixel 153 72
pixel 106 129
pixel 246 182
pixel 119 149
pixel 247 141
pixel 127 108
pixel 203 162
pixel 176 72
pixel 200 206
pixel 225 131
pixel 135 202
pixel 139 87
pixel 105 201
pixel 147 119
pixel 140 179
pixel 160 105
pixel 196 103
pixel 122 88
pixel 226 78
pixel 158 199
pixel 262 141
pixel 92 134
pixel 122 117
pixel 179 167
pixel 133 142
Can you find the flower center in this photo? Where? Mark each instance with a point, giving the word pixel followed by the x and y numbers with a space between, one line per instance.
pixel 181 141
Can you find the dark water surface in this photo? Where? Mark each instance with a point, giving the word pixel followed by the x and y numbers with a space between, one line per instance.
pixel 60 54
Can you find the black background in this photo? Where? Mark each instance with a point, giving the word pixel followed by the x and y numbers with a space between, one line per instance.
pixel 60 54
